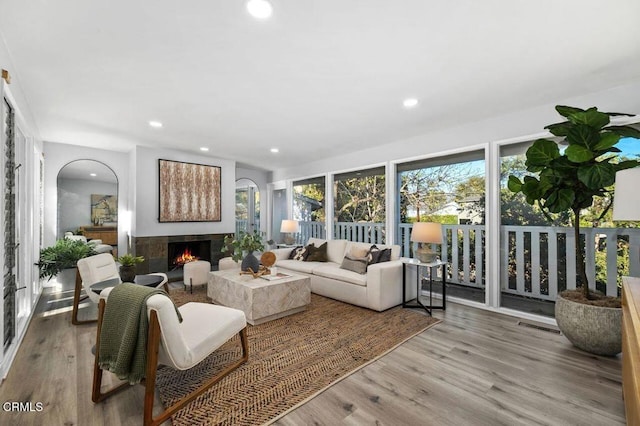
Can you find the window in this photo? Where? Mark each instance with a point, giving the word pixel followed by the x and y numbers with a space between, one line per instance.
pixel 448 190
pixel 308 207
pixel 359 205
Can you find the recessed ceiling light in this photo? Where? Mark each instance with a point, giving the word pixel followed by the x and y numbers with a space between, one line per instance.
pixel 410 103
pixel 93 174
pixel 259 9
pixel 275 150
pixel 155 124
pixel 204 148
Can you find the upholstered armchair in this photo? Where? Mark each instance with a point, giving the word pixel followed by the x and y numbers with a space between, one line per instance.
pixel 94 269
pixel 180 345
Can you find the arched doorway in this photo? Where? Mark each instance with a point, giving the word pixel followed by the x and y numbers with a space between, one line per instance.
pixel 247 206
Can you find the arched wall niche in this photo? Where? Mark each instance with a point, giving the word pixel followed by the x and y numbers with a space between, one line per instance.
pixel 87 200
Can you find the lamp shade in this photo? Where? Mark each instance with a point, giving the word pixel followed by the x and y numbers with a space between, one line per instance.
pixel 290 226
pixel 626 202
pixel 426 232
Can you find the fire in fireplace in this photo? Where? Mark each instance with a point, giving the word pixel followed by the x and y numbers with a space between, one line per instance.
pixel 185 257
pixel 183 252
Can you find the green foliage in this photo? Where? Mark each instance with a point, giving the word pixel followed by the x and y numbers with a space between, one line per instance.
pixel 445 219
pixel 244 243
pixel 571 180
pixel 586 170
pixel 360 199
pixel 129 259
pixel 62 255
pixel 313 191
pixel 430 189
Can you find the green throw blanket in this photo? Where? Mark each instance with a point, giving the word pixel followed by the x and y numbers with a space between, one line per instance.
pixel 123 337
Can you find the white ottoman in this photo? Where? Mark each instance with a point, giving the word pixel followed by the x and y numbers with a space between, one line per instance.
pixel 196 273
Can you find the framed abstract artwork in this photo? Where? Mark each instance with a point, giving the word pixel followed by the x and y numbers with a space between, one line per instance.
pixel 189 192
pixel 104 208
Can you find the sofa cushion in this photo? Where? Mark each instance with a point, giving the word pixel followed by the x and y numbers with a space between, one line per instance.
pixel 395 249
pixel 301 254
pixel 357 251
pixel 317 254
pixel 355 264
pixel 377 255
pixel 297 266
pixel 335 248
pixel 294 252
pixel 354 248
pixel 332 270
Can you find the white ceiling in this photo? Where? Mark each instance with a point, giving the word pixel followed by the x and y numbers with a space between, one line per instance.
pixel 320 77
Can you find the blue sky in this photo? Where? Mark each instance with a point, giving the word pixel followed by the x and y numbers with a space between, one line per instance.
pixel 630 147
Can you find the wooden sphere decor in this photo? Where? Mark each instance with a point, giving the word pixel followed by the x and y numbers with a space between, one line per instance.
pixel 268 258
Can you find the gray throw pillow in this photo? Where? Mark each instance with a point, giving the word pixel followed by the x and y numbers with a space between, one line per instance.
pixel 355 264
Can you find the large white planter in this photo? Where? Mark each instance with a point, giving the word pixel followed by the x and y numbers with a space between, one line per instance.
pixel 65 279
pixel 593 329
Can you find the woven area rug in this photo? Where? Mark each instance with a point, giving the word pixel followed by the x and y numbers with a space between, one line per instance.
pixel 290 360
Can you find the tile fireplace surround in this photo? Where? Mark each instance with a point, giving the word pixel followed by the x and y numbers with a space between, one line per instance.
pixel 155 250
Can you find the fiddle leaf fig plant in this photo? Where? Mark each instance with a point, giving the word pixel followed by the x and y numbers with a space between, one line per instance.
pixel 569 180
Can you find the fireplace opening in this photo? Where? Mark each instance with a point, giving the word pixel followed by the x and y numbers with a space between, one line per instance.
pixel 182 252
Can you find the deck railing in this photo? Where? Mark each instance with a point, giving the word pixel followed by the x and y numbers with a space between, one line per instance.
pixel 364 232
pixel 242 224
pixel 539 261
pixel 535 261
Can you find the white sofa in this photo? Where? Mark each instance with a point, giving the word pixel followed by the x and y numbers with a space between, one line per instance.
pixel 379 288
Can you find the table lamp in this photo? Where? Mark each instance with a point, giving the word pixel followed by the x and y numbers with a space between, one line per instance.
pixel 289 227
pixel 626 201
pixel 425 234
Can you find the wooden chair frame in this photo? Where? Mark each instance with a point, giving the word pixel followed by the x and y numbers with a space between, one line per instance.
pixel 76 302
pixel 153 345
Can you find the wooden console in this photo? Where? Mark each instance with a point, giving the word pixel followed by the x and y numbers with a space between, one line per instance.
pixel 631 348
pixel 108 234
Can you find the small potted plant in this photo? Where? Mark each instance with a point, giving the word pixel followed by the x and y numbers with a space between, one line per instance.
pixel 243 248
pixel 128 264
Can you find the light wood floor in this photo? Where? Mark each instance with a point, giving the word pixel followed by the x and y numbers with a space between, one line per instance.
pixel 474 368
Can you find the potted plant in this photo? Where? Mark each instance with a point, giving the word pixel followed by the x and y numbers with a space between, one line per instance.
pixel 128 264
pixel 243 248
pixel 569 181
pixel 64 254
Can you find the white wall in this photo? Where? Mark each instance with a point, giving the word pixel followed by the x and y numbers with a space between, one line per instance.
pixel 528 122
pixel 56 156
pixel 146 224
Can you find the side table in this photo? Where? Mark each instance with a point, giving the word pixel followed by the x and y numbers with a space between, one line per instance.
pixel 432 267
